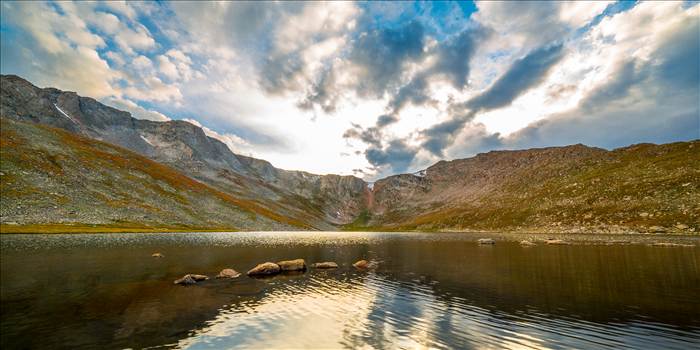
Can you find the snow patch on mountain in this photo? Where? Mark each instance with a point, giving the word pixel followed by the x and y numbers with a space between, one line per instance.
pixel 65 114
pixel 421 173
pixel 148 142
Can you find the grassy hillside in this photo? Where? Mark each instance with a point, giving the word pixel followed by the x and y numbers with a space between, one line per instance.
pixel 641 188
pixel 52 180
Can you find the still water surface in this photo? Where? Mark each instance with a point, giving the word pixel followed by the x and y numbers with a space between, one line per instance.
pixel 430 290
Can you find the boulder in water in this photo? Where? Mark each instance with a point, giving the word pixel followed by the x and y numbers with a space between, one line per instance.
pixel 199 277
pixel 228 273
pixel 158 255
pixel 527 243
pixel 556 241
pixel 364 264
pixel 185 280
pixel 264 269
pixel 292 265
pixel 486 241
pixel 326 265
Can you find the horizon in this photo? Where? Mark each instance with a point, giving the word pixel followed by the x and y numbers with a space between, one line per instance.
pixel 453 79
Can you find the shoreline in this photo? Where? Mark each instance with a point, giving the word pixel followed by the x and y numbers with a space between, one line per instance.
pixel 88 229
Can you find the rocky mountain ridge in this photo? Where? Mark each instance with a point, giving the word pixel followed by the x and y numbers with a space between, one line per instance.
pixel 641 188
pixel 322 200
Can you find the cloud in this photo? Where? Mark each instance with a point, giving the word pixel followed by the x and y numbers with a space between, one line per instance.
pixel 135 110
pixel 648 95
pixel 381 53
pixel 391 86
pixel 523 74
pixel 167 68
pixel 233 142
pixel 397 155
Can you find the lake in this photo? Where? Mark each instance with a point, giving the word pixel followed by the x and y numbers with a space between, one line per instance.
pixel 429 290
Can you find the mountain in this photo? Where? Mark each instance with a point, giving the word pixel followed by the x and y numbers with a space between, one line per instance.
pixel 321 201
pixel 641 188
pixel 54 177
pixel 644 188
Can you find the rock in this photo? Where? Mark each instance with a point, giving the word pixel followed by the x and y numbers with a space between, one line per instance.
pixel 644 214
pixel 158 255
pixel 657 229
pixel 556 242
pixel 199 277
pixel 527 243
pixel 292 265
pixel 667 244
pixel 681 226
pixel 228 273
pixel 486 241
pixel 364 264
pixel 186 280
pixel 326 265
pixel 264 269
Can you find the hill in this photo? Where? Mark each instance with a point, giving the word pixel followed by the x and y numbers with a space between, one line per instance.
pixel 54 180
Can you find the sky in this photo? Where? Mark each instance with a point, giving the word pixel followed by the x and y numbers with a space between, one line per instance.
pixel 375 88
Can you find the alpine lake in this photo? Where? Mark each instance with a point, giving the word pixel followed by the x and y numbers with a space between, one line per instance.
pixel 426 290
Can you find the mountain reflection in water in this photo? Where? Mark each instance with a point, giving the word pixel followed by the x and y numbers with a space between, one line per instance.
pixel 429 291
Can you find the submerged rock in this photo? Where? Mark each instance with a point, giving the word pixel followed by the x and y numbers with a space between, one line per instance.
pixel 292 265
pixel 228 273
pixel 264 269
pixel 326 265
pixel 527 243
pixel 185 280
pixel 158 255
pixel 486 241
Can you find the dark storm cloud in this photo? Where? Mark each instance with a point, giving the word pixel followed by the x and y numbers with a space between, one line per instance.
pixel 652 101
pixel 382 53
pixel 680 65
pixel 455 54
pixel 618 87
pixel 322 93
pixel 279 72
pixel 398 155
pixel 370 136
pixel 442 135
pixel 415 92
pixel 386 119
pixel 453 57
pixel 522 75
pixel 452 62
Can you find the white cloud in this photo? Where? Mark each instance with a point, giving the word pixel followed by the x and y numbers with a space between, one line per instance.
pixel 121 7
pixel 578 13
pixel 167 68
pixel 135 110
pixel 142 63
pixel 233 142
